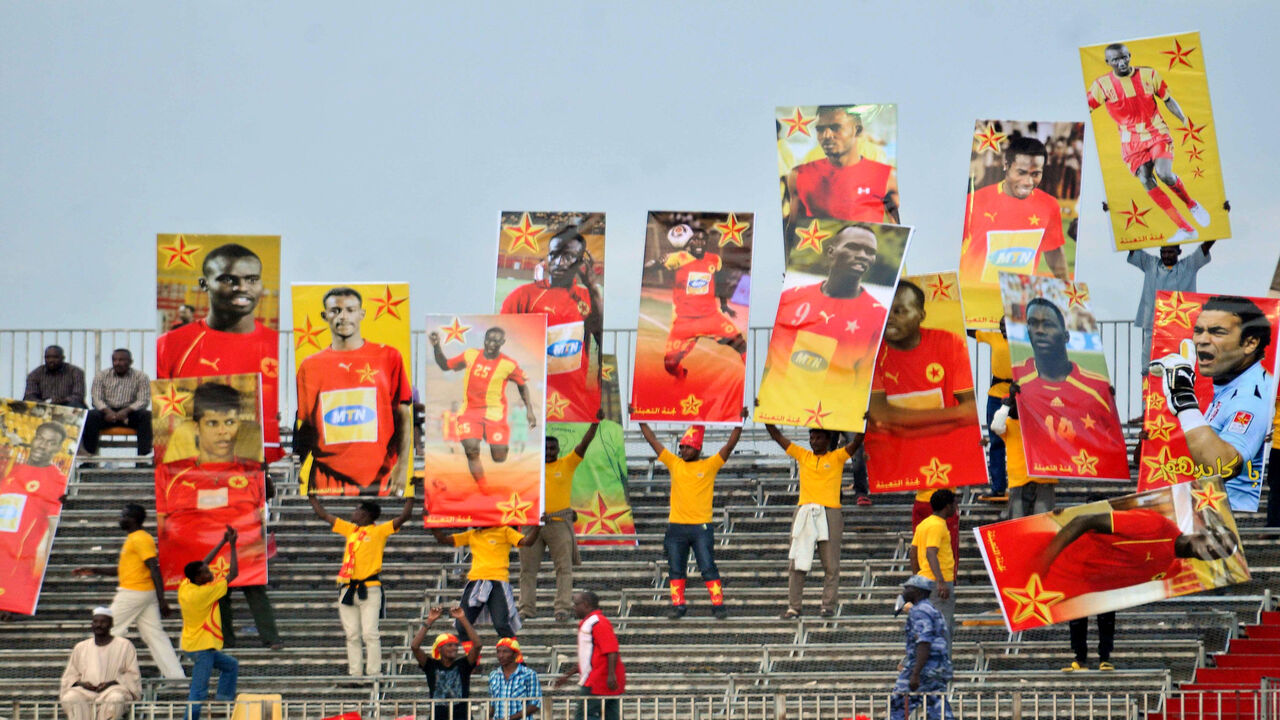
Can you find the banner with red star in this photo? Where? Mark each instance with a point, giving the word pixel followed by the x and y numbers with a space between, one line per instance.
pixel 37 451
pixel 1112 555
pixel 599 485
pixel 486 406
pixel 1167 127
pixel 1166 459
pixel 553 263
pixel 210 472
pixel 689 364
pixel 1069 422
pixel 180 259
pixel 1024 185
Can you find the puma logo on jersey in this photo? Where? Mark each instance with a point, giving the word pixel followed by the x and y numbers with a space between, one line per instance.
pixel 826 316
pixel 211 363
pixel 990 216
pixel 345 366
pixel 891 375
pixel 864 191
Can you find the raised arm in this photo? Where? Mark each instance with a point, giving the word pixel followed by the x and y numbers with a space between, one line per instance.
pixel 777 436
pixel 234 571
pixel 441 361
pixel 407 511
pixel 731 443
pixel 319 510
pixel 473 655
pixel 647 433
pixel 226 538
pixel 419 637
pixel 446 540
pixel 587 437
pixel 854 444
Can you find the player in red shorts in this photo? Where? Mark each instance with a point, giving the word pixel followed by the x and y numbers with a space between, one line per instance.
pixel 30 503
pixel 1129 93
pixel 697 310
pixel 843 185
pixel 230 340
pixel 355 408
pixel 574 315
pixel 485 414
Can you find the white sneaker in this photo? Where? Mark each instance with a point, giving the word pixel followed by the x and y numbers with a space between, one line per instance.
pixel 1182 236
pixel 1199 214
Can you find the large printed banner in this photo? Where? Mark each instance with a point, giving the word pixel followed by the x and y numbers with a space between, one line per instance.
pixel 691 347
pixel 486 380
pixel 37 448
pixel 836 293
pixel 210 474
pixel 553 263
pixel 1159 147
pixel 836 162
pixel 1225 347
pixel 218 300
pixel 923 365
pixel 1066 405
pixel 1113 554
pixel 351 349
pixel 1024 182
pixel 599 495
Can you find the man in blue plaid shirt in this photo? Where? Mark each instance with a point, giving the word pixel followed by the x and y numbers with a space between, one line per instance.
pixel 513 679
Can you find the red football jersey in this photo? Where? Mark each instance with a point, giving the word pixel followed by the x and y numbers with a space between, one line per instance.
pixel 197 350
pixel 47 483
pixel 694 292
pixel 1002 232
pixel 561 306
pixel 198 502
pixel 1070 428
pixel 350 398
pixel 1131 102
pixel 486 383
pixel 1139 549
pixel 850 192
pixel 938 368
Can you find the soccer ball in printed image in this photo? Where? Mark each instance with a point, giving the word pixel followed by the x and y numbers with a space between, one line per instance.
pixel 679 235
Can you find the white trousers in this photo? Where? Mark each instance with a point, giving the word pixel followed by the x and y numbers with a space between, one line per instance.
pixel 360 623
pixel 141 606
pixel 80 704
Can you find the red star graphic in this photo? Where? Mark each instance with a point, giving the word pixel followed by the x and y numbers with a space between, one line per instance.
pixel 1077 295
pixel 811 238
pixel 1134 215
pixel 170 403
pixel 456 331
pixel 601 519
pixel 180 253
pixel 988 139
pixel 524 236
pixel 1191 131
pixel 1177 56
pixel 1159 427
pixel 1197 172
pixel 731 231
pixel 556 405
pixel 387 305
pixel 309 335
pixel 1175 311
pixel 1195 153
pixel 798 123
pixel 1210 497
pixel 940 288
pixel 815 416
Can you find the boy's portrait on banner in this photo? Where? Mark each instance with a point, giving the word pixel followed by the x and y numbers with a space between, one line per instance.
pixel 1019 215
pixel 838 286
pixel 553 263
pixel 1210 394
pixel 1113 554
pixel 1065 403
pixel 210 474
pixel 486 468
pixel 354 430
pixel 38 445
pixel 691 347
pixel 1157 141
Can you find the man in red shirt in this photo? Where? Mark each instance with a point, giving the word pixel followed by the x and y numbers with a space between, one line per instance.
pixel 230 340
pixel 30 503
pixel 843 185
pixel 355 408
pixel 602 671
pixel 698 310
pixel 1129 93
pixel 574 317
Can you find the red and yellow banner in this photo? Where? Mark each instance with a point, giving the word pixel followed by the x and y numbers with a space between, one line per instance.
pixel 1114 554
pixel 691 347
pixel 210 474
pixel 599 495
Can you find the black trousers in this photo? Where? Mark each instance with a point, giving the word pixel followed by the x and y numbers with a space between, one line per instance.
pixel 1106 637
pixel 139 421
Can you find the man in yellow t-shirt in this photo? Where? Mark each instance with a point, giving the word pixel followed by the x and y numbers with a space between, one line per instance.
pixel 488 588
pixel 689 523
pixel 820 473
pixel 360 598
pixel 1001 376
pixel 140 591
pixel 557 534
pixel 198 597
pixel 932 555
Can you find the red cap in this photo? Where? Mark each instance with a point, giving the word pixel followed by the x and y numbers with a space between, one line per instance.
pixel 693 437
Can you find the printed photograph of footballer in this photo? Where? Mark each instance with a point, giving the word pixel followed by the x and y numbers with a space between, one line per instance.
pixel 553 263
pixel 836 292
pixel 37 445
pixel 1127 79
pixel 234 282
pixel 1065 401
pixel 1114 554
pixel 1023 188
pixel 691 347
pixel 210 474
pixel 1210 410
pixel 494 364
pixel 837 162
pixel 354 429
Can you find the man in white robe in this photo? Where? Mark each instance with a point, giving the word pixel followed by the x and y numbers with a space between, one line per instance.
pixel 102 676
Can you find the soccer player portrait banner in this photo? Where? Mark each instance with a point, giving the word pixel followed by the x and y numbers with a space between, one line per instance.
pixel 691 347
pixel 1157 141
pixel 351 349
pixel 1114 554
pixel 486 382
pixel 1213 365
pixel 210 474
pixel 836 292
pixel 929 376
pixel 1024 183
pixel 1066 408
pixel 553 263
pixel 37 451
